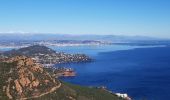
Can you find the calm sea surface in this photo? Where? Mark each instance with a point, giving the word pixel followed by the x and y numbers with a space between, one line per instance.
pixel 142 72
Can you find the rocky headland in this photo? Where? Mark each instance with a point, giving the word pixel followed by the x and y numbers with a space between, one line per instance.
pixel 26 79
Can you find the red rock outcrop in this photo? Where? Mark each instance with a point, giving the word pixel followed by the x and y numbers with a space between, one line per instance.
pixel 28 79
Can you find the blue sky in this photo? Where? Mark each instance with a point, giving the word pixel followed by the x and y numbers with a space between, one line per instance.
pixel 118 17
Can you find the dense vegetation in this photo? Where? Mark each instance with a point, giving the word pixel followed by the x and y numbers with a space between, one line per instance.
pixel 4 69
pixel 29 51
pixel 74 92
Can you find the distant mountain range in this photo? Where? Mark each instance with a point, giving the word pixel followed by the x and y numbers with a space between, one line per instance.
pixel 38 37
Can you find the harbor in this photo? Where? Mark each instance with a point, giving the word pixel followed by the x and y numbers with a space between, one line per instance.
pixel 61 71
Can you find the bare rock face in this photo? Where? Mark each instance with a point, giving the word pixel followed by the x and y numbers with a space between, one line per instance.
pixel 35 83
pixel 27 79
pixel 29 62
pixel 36 68
pixel 24 81
pixel 20 63
pixel 18 87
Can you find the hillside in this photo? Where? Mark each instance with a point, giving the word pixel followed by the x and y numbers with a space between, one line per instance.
pixel 30 51
pixel 22 78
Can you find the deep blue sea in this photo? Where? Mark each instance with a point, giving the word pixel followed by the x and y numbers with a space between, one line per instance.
pixel 142 72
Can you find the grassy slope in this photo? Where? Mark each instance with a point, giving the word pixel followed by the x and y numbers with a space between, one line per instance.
pixel 79 93
pixel 4 68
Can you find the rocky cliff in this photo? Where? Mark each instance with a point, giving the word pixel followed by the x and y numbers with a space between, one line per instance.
pixel 27 79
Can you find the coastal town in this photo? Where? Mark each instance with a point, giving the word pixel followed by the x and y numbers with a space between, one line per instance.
pixel 57 43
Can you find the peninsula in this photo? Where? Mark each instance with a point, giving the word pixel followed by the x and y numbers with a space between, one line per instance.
pixel 45 55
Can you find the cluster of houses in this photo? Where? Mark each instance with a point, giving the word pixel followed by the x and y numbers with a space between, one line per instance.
pixel 57 58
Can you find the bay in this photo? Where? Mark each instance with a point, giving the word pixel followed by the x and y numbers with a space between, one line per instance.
pixel 142 72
